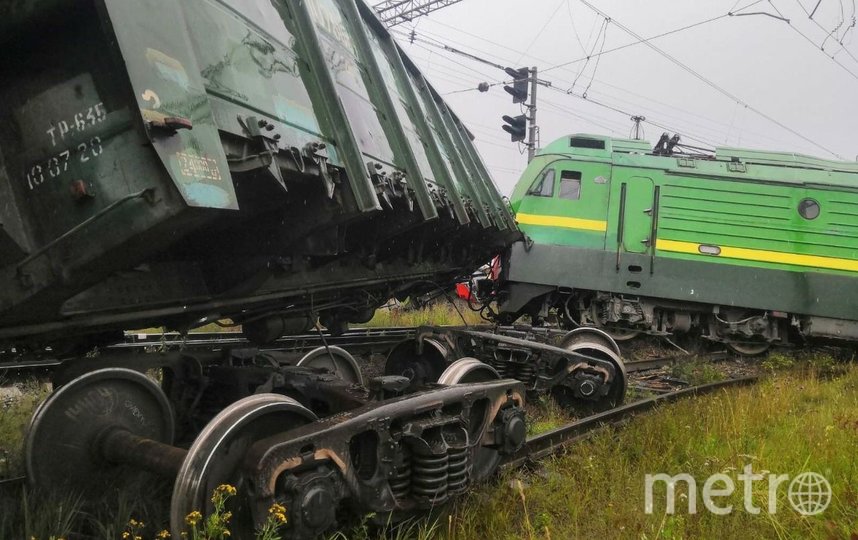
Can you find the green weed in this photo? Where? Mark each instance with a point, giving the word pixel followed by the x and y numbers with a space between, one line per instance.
pixel 439 313
pixel 696 372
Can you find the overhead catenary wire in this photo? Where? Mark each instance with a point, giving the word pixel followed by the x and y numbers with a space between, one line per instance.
pixel 810 15
pixel 726 127
pixel 704 139
pixel 639 41
pixel 819 47
pixel 709 82
pixel 442 46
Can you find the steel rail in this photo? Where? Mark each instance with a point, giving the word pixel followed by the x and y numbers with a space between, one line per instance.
pixel 358 338
pixel 541 446
pixel 15 480
pixel 655 363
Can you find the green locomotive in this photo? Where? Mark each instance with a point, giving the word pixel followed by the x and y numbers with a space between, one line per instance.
pixel 749 248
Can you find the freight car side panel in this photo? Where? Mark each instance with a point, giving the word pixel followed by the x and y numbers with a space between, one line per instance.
pixel 172 99
pixel 135 134
pixel 249 65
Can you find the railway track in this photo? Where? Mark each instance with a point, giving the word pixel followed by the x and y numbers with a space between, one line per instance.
pixel 545 444
pixel 359 340
pixel 634 366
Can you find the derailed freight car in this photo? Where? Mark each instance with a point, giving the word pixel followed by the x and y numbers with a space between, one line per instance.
pixel 746 247
pixel 185 161
pixel 167 163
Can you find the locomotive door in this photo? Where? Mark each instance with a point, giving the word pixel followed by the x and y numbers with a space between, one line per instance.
pixel 638 215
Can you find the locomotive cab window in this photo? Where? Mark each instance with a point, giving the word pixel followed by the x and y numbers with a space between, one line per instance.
pixel 544 185
pixel 570 185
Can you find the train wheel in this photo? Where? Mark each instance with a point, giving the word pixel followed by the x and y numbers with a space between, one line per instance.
pixel 747 348
pixel 419 368
pixel 217 454
pixel 618 333
pixel 571 392
pixel 470 370
pixel 588 334
pixel 62 442
pixel 336 360
pixel 743 347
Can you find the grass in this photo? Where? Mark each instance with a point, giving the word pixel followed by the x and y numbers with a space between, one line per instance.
pixel 800 419
pixel 439 313
pixel 13 421
pixel 695 371
pixel 794 422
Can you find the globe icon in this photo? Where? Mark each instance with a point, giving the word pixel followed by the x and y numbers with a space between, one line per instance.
pixel 809 493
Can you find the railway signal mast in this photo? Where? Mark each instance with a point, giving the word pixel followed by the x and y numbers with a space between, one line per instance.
pixel 524 83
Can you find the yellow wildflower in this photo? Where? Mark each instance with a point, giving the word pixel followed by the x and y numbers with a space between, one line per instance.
pixel 163 535
pixel 193 518
pixel 125 535
pixel 226 516
pixel 280 517
pixel 226 488
pixel 277 509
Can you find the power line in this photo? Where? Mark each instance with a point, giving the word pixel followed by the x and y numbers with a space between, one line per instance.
pixel 821 48
pixel 828 33
pixel 638 42
pixel 709 82
pixel 627 113
pixel 539 34
pixel 438 44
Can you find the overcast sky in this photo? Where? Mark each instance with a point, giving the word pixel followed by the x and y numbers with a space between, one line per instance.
pixel 760 60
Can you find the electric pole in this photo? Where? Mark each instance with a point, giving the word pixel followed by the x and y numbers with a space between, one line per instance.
pixel 524 83
pixel 637 129
pixel 531 138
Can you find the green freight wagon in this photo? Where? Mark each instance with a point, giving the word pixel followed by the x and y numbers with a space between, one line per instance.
pixel 747 247
pixel 264 163
pixel 172 163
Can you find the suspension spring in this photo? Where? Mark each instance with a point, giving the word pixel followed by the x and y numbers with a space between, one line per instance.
pixel 400 480
pixel 526 373
pixel 457 470
pixel 500 365
pixel 429 477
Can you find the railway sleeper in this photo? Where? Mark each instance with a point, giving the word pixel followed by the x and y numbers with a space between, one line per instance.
pixel 324 447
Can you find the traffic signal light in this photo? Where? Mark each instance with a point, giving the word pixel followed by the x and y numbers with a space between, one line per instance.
pixel 520 82
pixel 516 127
